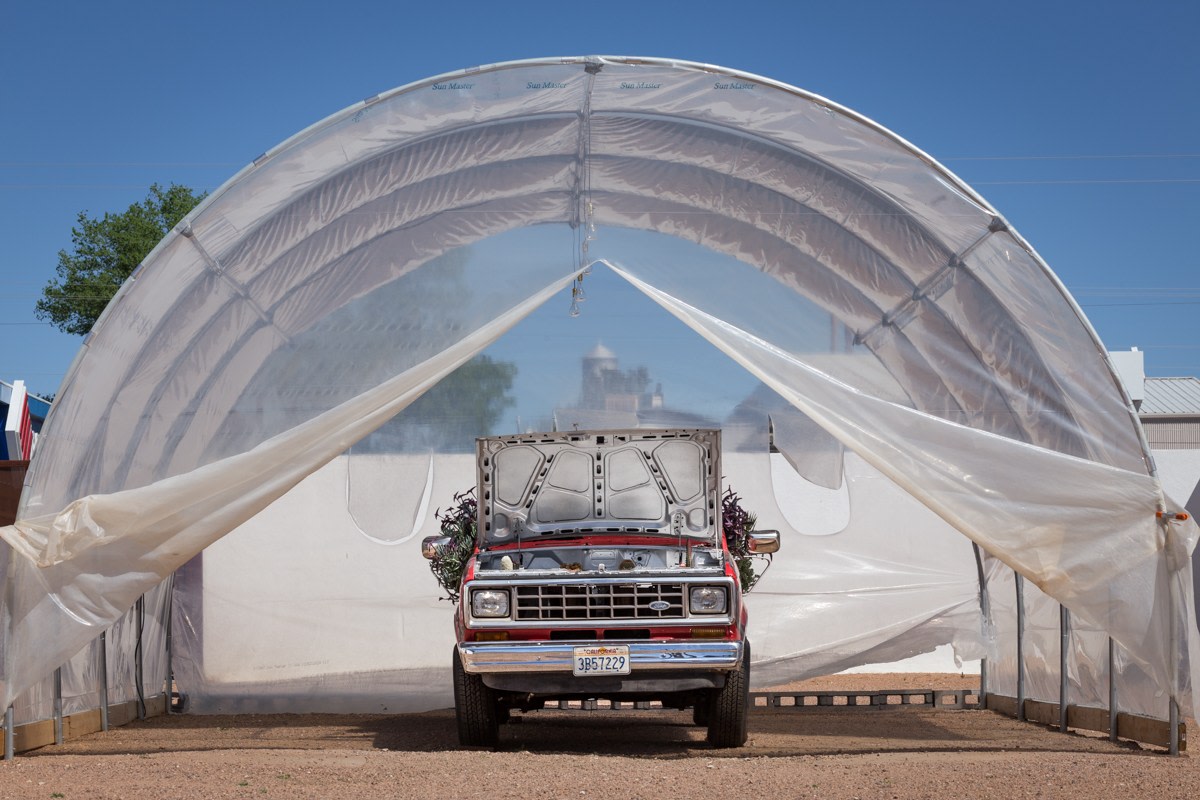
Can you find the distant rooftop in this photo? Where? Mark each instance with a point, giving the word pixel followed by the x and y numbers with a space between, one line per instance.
pixel 1171 396
pixel 600 351
pixel 39 407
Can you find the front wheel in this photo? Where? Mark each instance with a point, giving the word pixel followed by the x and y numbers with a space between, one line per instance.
pixel 475 707
pixel 728 706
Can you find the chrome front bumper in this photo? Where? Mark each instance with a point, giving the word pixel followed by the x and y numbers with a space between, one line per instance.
pixel 493 657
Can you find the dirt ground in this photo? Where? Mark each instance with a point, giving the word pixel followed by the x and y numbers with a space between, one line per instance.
pixel 792 753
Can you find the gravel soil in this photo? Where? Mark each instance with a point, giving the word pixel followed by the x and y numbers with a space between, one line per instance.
pixel 581 755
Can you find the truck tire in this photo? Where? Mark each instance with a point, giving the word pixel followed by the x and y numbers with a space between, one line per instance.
pixel 728 707
pixel 475 708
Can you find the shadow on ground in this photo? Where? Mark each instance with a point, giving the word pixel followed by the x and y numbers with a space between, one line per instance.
pixel 638 734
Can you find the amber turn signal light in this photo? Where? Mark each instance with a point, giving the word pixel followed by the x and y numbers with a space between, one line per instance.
pixel 708 633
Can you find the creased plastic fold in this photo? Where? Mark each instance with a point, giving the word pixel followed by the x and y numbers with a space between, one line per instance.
pixel 94 558
pixel 1087 534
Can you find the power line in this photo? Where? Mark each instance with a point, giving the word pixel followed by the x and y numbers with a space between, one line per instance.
pixel 1126 305
pixel 117 164
pixel 80 186
pixel 1134 289
pixel 1083 181
pixel 1076 157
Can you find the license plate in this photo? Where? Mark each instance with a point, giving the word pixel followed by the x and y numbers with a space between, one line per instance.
pixel 609 660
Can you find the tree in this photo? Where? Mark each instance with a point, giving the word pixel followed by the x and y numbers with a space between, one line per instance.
pixel 104 252
pixel 465 404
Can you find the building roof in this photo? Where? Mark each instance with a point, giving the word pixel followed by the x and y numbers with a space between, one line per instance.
pixel 1175 396
pixel 600 351
pixel 39 407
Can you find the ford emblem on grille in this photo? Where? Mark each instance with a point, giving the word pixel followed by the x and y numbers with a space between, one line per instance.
pixel 659 605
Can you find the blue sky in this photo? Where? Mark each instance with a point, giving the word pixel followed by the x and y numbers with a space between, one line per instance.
pixel 1079 123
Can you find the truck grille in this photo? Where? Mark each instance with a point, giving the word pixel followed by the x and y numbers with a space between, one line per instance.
pixel 600 601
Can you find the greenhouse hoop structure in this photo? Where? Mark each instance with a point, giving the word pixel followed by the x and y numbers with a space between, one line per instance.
pixel 229 493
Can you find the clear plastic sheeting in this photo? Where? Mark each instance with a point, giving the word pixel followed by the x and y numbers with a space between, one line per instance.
pixel 1003 668
pixel 240 623
pixel 126 654
pixel 895 582
pixel 552 244
pixel 1042 645
pixel 366 632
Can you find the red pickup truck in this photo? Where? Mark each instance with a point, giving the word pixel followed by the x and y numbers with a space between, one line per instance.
pixel 601 572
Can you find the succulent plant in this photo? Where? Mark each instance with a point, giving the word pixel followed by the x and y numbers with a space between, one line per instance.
pixel 458 523
pixel 737 523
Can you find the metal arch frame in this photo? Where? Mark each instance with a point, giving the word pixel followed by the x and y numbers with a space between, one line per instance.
pixel 708 68
pixel 185 226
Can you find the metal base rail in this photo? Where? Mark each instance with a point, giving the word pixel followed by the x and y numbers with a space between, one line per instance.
pixel 34 735
pixel 603 705
pixel 1132 727
pixel 948 699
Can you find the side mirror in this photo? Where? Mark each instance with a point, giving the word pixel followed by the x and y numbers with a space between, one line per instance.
pixel 432 546
pixel 762 542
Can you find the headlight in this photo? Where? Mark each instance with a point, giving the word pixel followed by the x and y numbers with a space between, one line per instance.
pixel 708 600
pixel 489 603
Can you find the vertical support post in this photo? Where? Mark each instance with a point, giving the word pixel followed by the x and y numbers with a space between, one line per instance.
pixel 6 669
pixel 1173 710
pixel 1174 722
pixel 140 615
pixel 1064 649
pixel 170 611
pixel 1020 647
pixel 58 705
pixel 104 681
pixel 9 733
pixel 985 611
pixel 1173 640
pixel 1112 690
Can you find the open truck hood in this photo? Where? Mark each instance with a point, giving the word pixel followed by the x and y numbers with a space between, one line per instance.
pixel 540 486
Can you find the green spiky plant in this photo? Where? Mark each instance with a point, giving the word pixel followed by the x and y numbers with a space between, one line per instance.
pixel 737 523
pixel 457 523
